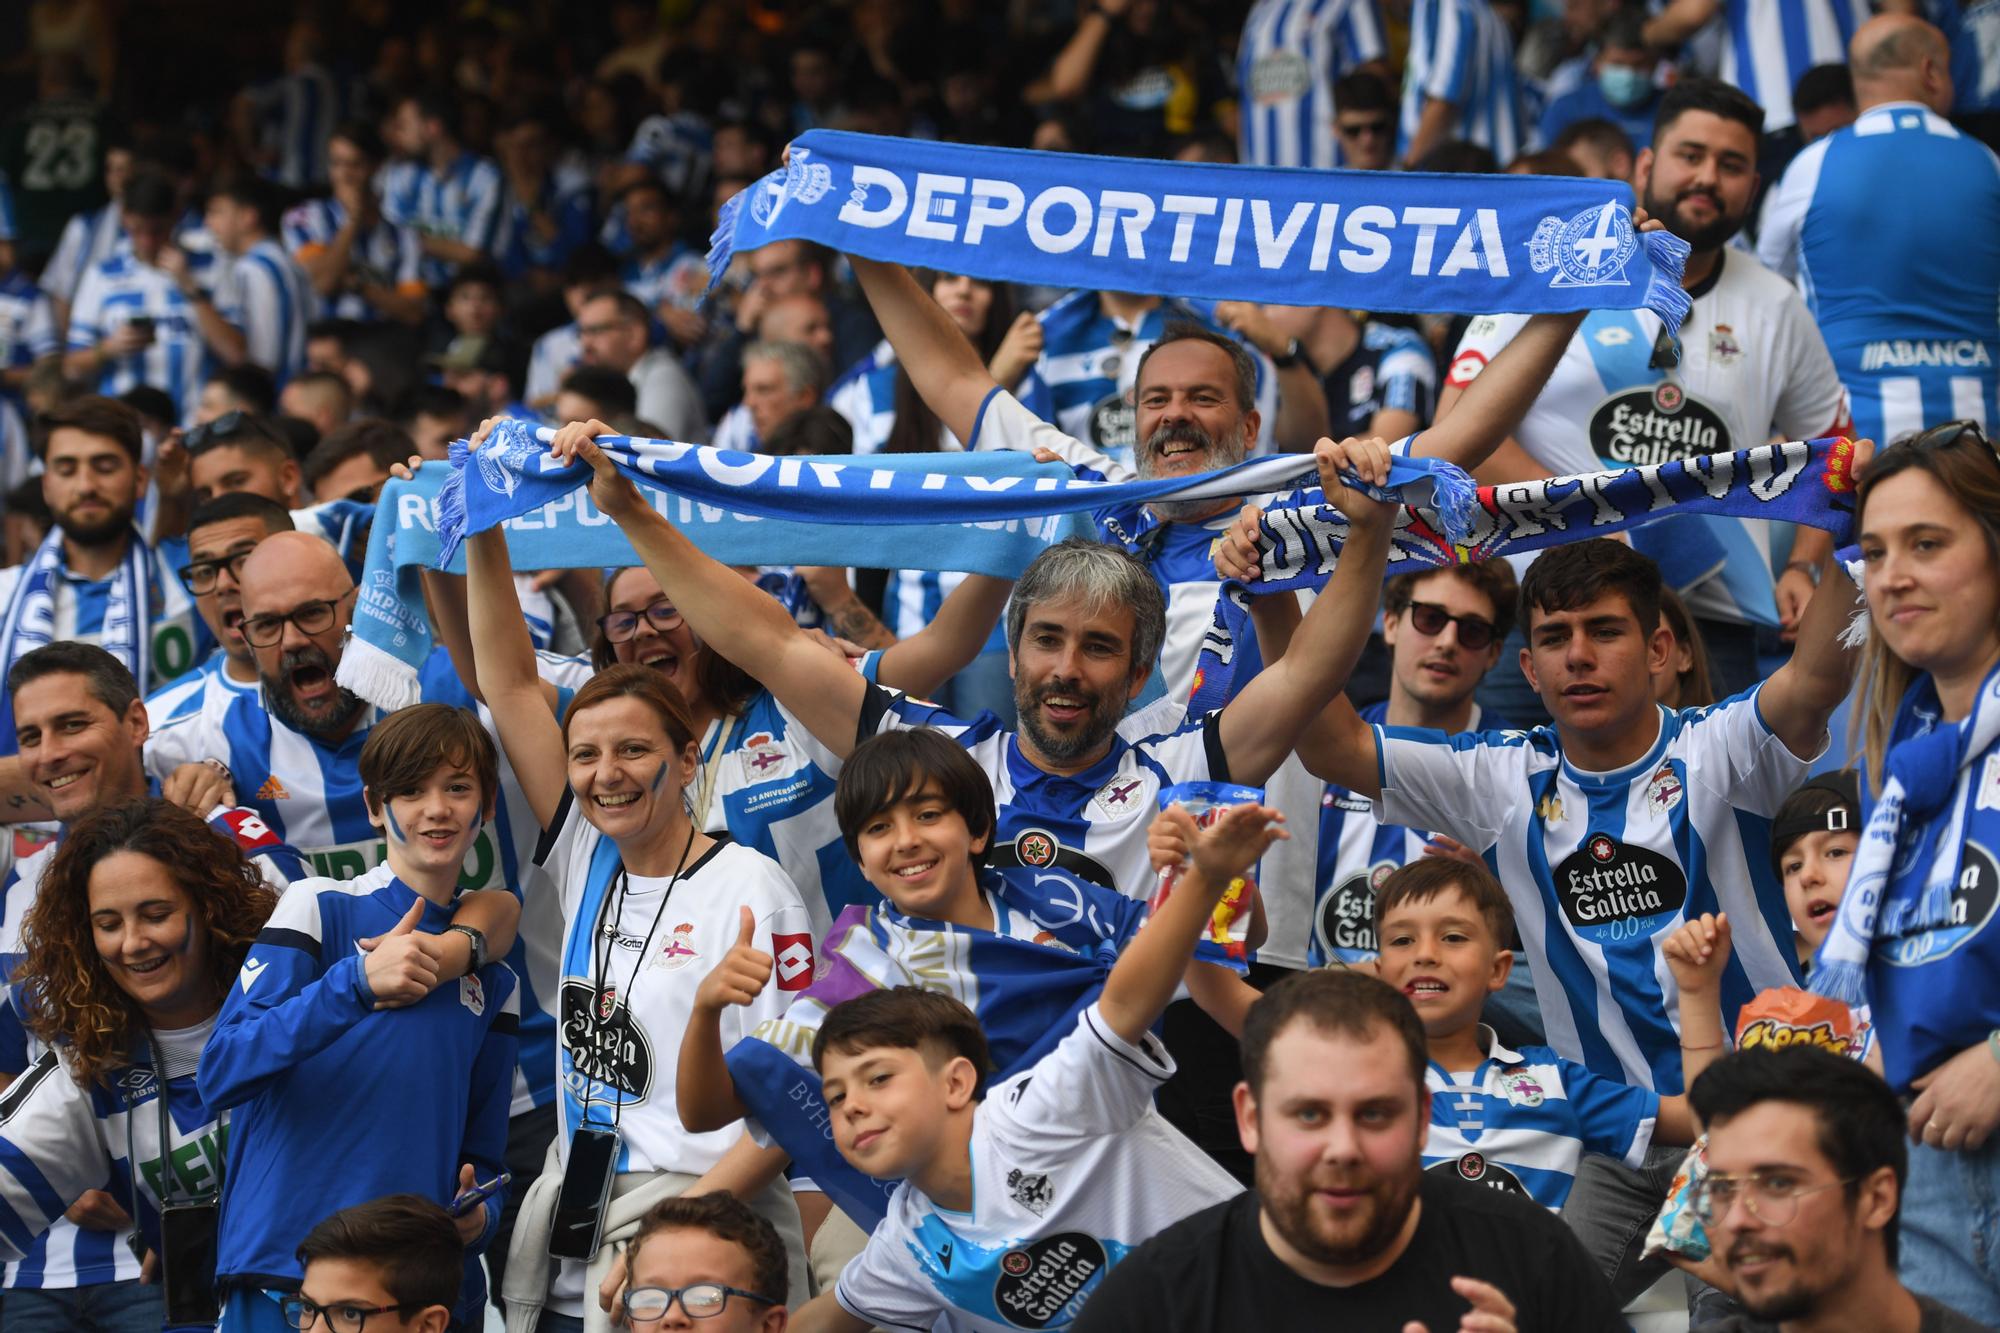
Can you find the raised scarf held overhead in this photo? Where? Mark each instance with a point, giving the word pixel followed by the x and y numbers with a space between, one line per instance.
pixel 1370 240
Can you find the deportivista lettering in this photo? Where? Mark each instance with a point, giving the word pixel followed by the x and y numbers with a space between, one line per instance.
pixel 1234 232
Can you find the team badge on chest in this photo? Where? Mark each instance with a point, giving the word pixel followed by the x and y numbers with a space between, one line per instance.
pixel 1118 797
pixel 1663 790
pixel 1520 1088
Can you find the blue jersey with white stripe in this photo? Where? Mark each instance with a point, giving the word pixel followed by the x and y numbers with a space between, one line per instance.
pixel 677 278
pixel 177 361
pixel 461 204
pixel 1904 297
pixel 555 354
pixel 207 686
pixel 1082 382
pixel 320 1083
pixel 27 322
pixel 88 239
pixel 1523 1120
pixel 1289 57
pixel 1602 867
pixel 297 113
pixel 275 301
pixel 678 148
pixel 1974 29
pixel 566 198
pixel 1355 855
pixel 1771 43
pixel 1462 53
pixel 385 254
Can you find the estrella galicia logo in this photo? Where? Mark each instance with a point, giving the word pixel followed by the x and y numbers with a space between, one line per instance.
pixel 1037 849
pixel 1042 1282
pixel 1651 424
pixel 1590 250
pixel 1476 1168
pixel 1611 891
pixel 605 1046
pixel 1346 918
pixel 1973 899
pixel 504 456
pixel 804 180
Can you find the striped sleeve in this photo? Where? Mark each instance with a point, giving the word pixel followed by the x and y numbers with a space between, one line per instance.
pixel 50 1153
pixel 86 315
pixel 1614 1119
pixel 483 191
pixel 1453 41
pixel 261 311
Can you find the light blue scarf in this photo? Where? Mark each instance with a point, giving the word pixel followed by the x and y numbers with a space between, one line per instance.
pixel 128 615
pixel 1371 240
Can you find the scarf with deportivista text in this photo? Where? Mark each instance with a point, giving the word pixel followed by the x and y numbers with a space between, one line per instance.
pixel 1373 240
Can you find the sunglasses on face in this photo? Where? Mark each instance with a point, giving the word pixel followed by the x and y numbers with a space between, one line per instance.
pixel 1474 633
pixel 1363 129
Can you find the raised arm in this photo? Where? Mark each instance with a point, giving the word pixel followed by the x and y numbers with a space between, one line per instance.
pixel 1474 422
pixel 1150 970
pixel 1680 20
pixel 1336 746
pixel 1261 725
pixel 944 367
pixel 940 650
pixel 504 670
pixel 1801 695
pixel 729 614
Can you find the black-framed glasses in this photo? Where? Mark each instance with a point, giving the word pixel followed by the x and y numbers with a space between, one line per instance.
pixel 314 617
pixel 1474 632
pixel 1772 1197
pixel 1356 129
pixel 702 1300
pixel 619 626
pixel 340 1316
pixel 200 575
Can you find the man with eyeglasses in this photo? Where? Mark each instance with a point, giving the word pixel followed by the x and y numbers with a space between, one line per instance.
pixel 221 535
pixel 390 1266
pixel 1750 365
pixel 1364 121
pixel 1806 1170
pixel 616 331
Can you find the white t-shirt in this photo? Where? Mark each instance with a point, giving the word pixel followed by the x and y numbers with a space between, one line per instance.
pixel 1753 367
pixel 1072 1169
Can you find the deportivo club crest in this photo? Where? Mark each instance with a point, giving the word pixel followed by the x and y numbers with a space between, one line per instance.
pixel 1589 250
pixel 1663 790
pixel 503 456
pixel 1520 1088
pixel 1031 1191
pixel 805 180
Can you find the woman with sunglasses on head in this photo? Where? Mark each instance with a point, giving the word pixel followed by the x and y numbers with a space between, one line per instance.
pixel 648 902
pixel 143 919
pixel 1917 934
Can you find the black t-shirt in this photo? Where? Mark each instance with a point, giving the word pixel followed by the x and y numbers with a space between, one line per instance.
pixel 1214 1271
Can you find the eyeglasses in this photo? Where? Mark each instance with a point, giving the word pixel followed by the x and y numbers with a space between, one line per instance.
pixel 1772 1197
pixel 1430 618
pixel 1357 129
pixel 703 1300
pixel 315 617
pixel 200 575
pixel 619 626
pixel 340 1317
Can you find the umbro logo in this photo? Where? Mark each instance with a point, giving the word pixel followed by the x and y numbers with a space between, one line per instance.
pixel 252 969
pixel 273 790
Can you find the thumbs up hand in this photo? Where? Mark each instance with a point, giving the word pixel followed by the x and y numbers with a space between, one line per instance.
pixel 741 975
pixel 399 969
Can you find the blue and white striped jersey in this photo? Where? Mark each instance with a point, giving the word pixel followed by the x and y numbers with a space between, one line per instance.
pixel 1289 57
pixel 1355 855
pixel 1974 29
pixel 1602 867
pixel 1391 367
pixel 1093 823
pixel 88 239
pixel 1523 1120
pixel 59 1139
pixel 18 459
pixel 555 354
pixel 297 113
pixel 177 361
pixel 1753 366
pixel 388 254
pixel 1462 53
pixel 1772 42
pixel 737 431
pixel 1905 302
pixel 462 204
pixel 678 278
pixel 275 301
pixel 314 1074
pixel 1082 382
pixel 566 197
pixel 27 322
pixel 207 686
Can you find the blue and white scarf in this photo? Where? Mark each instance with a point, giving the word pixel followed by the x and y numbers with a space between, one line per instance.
pixel 1373 240
pixel 1920 772
pixel 128 615
pixel 1027 997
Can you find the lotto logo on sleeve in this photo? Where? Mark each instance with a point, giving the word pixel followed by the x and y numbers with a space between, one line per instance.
pixel 248 828
pixel 794 957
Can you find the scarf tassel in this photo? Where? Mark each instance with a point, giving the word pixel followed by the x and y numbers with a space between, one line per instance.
pixel 1665 296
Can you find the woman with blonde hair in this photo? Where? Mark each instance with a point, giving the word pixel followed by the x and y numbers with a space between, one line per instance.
pixel 1918 937
pixel 142 920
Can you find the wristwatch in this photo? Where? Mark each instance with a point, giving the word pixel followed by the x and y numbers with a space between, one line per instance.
pixel 478 938
pixel 1290 357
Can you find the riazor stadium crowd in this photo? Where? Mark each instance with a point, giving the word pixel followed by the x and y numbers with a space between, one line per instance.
pixel 738 947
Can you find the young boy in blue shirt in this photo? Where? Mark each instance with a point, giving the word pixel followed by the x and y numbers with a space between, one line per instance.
pixel 360 1057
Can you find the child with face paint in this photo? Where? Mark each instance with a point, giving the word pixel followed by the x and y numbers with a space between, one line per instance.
pixel 647 904
pixel 144 918
pixel 357 1065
